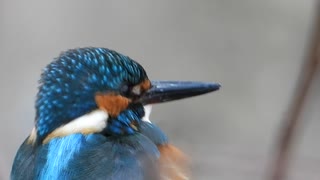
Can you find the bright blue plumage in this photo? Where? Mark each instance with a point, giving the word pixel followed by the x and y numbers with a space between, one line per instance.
pixel 67 90
pixel 78 156
pixel 83 157
pixel 68 84
pixel 89 121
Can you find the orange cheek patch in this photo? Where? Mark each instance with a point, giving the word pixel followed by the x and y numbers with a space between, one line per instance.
pixel 113 104
pixel 174 164
pixel 145 85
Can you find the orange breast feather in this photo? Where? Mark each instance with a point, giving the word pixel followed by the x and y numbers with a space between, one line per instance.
pixel 174 164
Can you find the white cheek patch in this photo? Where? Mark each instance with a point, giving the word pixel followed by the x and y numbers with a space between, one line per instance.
pixel 92 122
pixel 147 112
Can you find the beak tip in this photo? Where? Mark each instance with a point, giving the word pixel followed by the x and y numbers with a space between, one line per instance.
pixel 214 86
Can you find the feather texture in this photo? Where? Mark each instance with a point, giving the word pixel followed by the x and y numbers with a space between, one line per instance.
pixel 91 156
pixel 141 156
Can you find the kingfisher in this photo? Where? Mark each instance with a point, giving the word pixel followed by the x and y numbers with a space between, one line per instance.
pixel 92 121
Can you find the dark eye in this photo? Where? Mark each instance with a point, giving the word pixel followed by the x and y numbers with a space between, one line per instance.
pixel 131 91
pixel 124 90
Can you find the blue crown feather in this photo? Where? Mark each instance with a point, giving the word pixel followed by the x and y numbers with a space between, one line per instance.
pixel 69 83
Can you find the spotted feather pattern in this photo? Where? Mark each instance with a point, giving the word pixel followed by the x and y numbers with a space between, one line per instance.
pixel 127 148
pixel 68 84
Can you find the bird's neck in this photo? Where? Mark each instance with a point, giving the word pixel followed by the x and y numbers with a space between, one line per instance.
pixel 126 123
pixel 93 122
pixel 98 121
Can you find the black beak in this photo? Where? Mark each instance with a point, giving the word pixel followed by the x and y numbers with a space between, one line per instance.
pixel 163 91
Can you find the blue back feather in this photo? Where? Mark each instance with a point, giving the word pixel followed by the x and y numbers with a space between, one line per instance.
pixel 23 164
pixel 95 156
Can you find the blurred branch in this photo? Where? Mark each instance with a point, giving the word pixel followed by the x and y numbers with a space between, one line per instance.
pixel 293 119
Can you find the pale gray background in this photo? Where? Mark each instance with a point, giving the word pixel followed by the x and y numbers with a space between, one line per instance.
pixel 253 48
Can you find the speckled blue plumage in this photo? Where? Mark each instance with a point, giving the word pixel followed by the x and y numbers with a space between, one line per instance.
pixel 67 89
pixel 69 83
pixel 121 125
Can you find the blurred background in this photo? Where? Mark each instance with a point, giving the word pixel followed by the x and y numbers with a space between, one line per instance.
pixel 253 48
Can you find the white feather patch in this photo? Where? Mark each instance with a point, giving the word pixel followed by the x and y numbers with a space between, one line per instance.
pixel 92 122
pixel 33 136
pixel 136 90
pixel 147 112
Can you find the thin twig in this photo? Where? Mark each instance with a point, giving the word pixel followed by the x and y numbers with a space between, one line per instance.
pixel 293 119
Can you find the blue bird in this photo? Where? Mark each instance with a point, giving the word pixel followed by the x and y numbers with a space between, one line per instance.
pixel 92 121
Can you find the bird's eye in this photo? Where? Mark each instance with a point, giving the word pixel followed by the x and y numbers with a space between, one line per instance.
pixel 124 89
pixel 131 91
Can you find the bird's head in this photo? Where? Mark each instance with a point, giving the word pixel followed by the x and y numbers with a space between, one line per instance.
pixel 97 90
